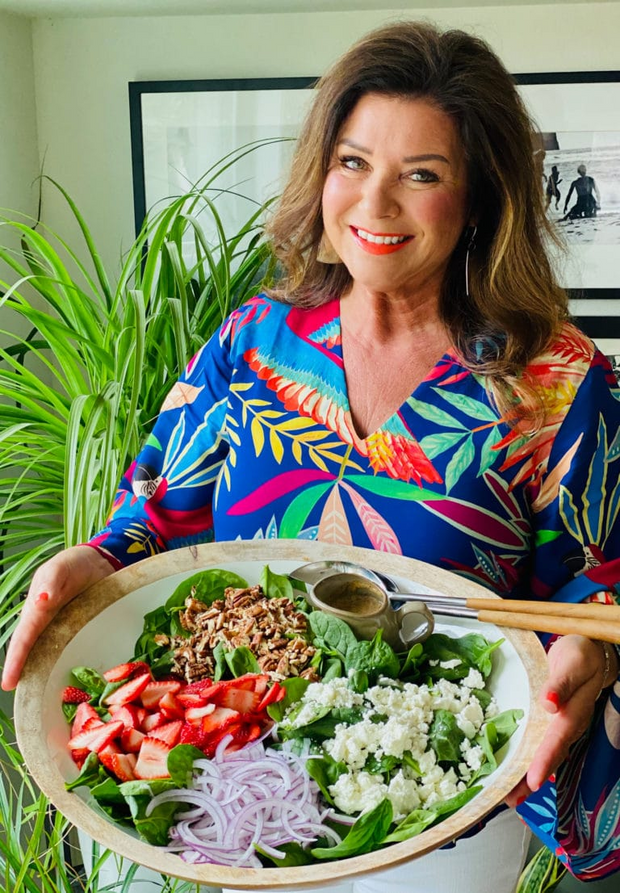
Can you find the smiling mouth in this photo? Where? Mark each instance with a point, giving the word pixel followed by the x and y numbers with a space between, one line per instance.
pixel 377 239
pixel 379 243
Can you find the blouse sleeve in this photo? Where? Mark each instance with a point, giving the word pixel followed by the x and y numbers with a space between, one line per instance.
pixel 577 523
pixel 164 499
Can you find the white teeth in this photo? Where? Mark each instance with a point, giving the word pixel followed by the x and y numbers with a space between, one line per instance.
pixel 380 240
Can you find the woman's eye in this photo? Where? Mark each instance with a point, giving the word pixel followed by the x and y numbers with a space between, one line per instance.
pixel 423 175
pixel 351 163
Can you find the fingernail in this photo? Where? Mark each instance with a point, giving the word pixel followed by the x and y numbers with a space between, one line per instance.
pixel 554 698
pixel 521 800
pixel 42 597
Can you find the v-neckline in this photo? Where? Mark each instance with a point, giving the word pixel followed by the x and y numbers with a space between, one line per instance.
pixel 397 413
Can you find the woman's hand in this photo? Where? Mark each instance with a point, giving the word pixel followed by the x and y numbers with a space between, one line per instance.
pixel 576 675
pixel 53 585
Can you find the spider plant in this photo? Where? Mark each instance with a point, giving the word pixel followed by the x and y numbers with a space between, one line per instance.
pixel 78 395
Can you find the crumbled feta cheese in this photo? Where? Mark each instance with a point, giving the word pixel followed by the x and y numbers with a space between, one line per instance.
pixel 474 679
pixel 395 725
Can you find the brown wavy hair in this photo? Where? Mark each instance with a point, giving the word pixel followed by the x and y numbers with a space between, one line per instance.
pixel 514 306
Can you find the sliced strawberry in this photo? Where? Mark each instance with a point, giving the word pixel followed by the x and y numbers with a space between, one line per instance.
pixel 195 715
pixel 73 695
pixel 271 696
pixel 130 691
pixel 96 738
pixel 243 734
pixel 206 688
pixel 79 756
pixel 152 720
pixel 128 715
pixel 131 740
pixel 152 759
pixel 239 699
pixel 124 671
pixel 83 713
pixel 193 735
pixel 170 732
pixel 190 699
pixel 123 766
pixel 219 720
pixel 106 753
pixel 142 714
pixel 171 707
pixel 250 682
pixel 155 690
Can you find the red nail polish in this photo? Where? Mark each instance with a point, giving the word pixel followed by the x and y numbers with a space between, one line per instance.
pixel 521 800
pixel 554 698
pixel 42 597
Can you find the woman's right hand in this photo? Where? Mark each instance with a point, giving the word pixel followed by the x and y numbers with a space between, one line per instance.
pixel 53 585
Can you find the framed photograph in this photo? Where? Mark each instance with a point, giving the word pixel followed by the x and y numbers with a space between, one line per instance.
pixel 578 115
pixel 182 131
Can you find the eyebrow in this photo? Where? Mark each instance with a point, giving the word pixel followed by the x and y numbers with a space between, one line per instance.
pixel 410 159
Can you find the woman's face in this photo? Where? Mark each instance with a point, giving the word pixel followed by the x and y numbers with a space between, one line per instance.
pixel 395 196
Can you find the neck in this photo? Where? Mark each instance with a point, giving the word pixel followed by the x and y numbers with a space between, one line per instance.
pixel 383 318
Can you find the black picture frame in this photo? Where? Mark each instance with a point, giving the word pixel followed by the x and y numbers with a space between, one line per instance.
pixel 139 89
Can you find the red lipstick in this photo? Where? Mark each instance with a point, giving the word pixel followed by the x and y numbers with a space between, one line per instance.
pixel 379 247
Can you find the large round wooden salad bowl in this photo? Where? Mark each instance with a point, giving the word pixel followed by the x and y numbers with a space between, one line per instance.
pixel 99 629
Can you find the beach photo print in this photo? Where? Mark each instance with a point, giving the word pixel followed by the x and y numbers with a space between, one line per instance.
pixel 578 155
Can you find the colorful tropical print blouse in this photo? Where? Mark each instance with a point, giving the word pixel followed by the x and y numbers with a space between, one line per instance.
pixel 256 440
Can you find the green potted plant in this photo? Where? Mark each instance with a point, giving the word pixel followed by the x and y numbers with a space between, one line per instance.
pixel 78 395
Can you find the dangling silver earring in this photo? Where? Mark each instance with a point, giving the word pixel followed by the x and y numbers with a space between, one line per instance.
pixel 327 253
pixel 471 246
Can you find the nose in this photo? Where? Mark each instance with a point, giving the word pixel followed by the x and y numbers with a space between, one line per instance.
pixel 380 197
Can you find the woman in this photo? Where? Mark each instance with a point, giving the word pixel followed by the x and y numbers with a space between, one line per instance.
pixel 412 385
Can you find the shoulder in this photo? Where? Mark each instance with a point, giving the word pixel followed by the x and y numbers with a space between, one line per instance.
pixel 569 355
pixel 264 318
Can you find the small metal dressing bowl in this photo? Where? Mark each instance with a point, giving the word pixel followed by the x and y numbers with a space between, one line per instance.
pixel 359 596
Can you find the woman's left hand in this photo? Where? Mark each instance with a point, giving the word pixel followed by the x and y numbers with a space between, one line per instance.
pixel 576 675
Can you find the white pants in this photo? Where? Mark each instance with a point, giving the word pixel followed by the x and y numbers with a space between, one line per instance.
pixel 489 862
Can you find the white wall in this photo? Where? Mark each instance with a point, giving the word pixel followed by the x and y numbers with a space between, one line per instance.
pixel 19 157
pixel 82 68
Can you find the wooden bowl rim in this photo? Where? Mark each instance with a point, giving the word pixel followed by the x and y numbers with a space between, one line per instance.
pixel 33 743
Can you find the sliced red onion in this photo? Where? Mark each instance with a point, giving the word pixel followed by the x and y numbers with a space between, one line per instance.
pixel 244 799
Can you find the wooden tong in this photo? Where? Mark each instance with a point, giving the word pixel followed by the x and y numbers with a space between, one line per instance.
pixel 594 620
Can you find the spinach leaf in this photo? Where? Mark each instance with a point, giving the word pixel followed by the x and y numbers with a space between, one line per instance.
pixel 472 650
pixel 381 765
pixel 492 737
pixel 90 680
pixel 295 688
pixel 241 661
pixel 325 771
pixel 219 658
pixel 206 586
pixel 156 621
pixel 365 835
pixel 138 794
pixel 108 797
pixel 358 681
pixel 445 737
pixel 331 668
pixel 91 774
pixel 180 763
pixel 420 819
pixel 275 585
pixel 324 726
pixel 332 634
pixel 376 658
pixel 415 657
pixel 294 855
